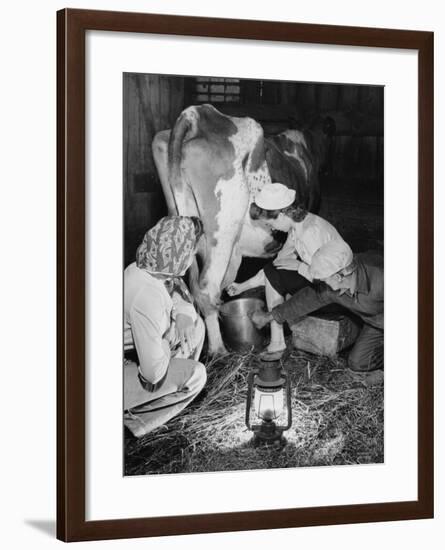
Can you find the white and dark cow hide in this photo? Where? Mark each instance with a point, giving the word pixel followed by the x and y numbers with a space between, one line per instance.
pixel 212 166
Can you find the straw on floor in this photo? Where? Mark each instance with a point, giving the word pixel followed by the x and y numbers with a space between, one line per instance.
pixel 337 418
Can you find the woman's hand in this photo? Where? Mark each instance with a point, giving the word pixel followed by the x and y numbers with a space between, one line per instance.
pixel 185 332
pixel 261 318
pixel 234 289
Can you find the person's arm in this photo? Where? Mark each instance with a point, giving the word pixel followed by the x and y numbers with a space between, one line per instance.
pixel 314 238
pixel 303 270
pixel 302 303
pixel 236 288
pixel 185 318
pixel 147 320
pixel 183 307
pixel 289 263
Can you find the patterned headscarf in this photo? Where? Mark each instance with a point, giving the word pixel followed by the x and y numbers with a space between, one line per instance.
pixel 169 246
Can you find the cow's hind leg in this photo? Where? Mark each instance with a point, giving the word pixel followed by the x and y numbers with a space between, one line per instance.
pixel 211 283
pixel 221 265
pixel 232 269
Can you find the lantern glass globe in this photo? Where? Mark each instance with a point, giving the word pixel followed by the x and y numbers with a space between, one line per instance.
pixel 269 404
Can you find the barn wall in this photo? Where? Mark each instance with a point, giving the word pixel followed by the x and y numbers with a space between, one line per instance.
pixel 352 190
pixel 357 111
pixel 151 103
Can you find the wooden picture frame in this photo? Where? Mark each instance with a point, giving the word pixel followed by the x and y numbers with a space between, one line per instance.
pixel 72 25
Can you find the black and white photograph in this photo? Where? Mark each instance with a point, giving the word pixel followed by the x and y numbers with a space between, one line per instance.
pixel 222 284
pixel 253 326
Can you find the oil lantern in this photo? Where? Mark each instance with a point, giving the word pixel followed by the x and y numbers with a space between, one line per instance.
pixel 268 410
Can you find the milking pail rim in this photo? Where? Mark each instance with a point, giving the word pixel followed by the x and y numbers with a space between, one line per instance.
pixel 225 309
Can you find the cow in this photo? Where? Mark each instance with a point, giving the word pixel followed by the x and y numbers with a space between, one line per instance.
pixel 212 166
pixel 296 157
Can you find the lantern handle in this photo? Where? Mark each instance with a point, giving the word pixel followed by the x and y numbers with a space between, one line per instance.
pixel 250 379
pixel 289 400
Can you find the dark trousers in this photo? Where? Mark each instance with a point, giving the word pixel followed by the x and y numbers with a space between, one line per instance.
pixel 284 281
pixel 367 352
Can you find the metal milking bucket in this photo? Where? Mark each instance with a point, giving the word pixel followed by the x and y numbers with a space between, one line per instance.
pixel 239 333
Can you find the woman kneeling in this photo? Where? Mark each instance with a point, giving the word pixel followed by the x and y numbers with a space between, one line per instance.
pixel 163 327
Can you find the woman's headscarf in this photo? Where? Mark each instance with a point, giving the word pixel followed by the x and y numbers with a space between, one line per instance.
pixel 168 247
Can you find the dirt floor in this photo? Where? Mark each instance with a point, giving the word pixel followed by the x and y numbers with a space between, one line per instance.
pixel 337 418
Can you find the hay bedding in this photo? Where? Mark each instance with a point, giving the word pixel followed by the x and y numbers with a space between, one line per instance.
pixel 337 418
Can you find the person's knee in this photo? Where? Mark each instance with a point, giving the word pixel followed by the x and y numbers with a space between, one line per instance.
pixel 200 331
pixel 201 376
pixel 365 362
pixel 198 376
pixel 357 362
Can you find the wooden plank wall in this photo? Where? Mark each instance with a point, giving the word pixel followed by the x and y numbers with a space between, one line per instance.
pixel 151 103
pixel 357 111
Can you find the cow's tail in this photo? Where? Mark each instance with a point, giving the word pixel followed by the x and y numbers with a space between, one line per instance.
pixel 185 128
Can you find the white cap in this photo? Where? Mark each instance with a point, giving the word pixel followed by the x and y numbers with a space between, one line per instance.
pixel 331 258
pixel 274 196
